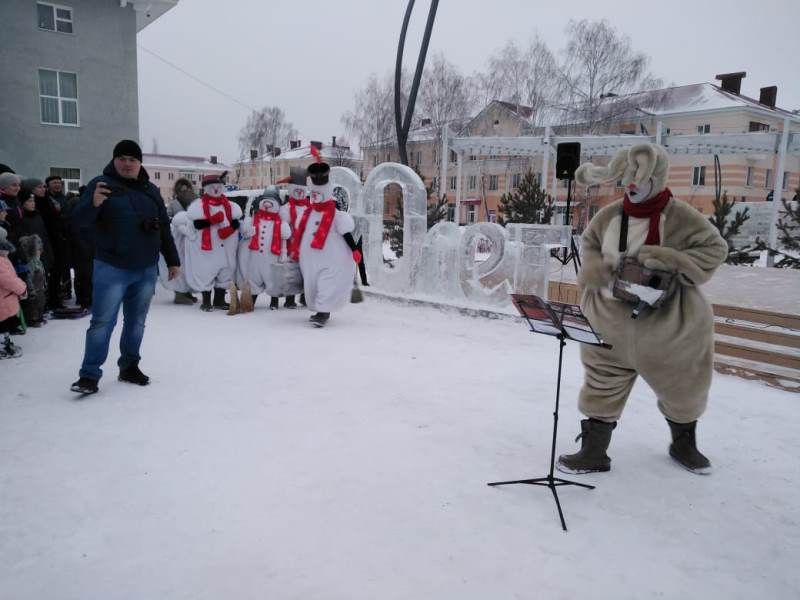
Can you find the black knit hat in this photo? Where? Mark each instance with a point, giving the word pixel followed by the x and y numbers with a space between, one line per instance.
pixel 319 173
pixel 128 148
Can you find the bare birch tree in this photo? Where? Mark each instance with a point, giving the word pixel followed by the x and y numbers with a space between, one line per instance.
pixel 598 66
pixel 522 76
pixel 445 94
pixel 371 121
pixel 266 130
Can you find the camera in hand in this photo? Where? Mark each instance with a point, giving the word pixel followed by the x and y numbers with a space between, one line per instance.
pixel 151 225
pixel 113 190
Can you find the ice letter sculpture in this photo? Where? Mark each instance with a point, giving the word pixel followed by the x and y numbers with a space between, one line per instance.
pixel 441 262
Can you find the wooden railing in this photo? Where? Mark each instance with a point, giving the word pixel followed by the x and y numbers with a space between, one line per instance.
pixel 750 343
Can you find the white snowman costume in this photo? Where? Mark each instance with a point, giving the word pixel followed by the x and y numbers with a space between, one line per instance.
pixel 263 248
pixel 296 206
pixel 212 239
pixel 326 259
pixel 179 227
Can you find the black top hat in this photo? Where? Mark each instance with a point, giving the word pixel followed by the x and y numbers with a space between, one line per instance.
pixel 319 173
pixel 215 178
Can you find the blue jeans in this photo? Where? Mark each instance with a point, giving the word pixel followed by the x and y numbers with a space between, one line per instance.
pixel 133 289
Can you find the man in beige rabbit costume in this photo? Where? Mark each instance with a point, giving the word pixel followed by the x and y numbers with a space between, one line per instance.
pixel 671 347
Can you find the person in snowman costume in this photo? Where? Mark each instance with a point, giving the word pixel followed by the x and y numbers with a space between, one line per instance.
pixel 291 212
pixel 327 250
pixel 212 242
pixel 263 246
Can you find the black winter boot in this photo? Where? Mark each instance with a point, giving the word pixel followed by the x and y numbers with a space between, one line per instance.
pixel 132 374
pixel 183 298
pixel 205 305
pixel 303 300
pixel 289 302
pixel 219 299
pixel 684 448
pixel 319 319
pixel 85 386
pixel 595 437
pixel 273 302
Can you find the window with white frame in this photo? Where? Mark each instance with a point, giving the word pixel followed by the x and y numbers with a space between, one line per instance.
pixel 472 182
pixel 453 156
pixel 706 128
pixel 515 179
pixel 375 161
pixel 699 176
pixel 768 178
pixel 451 212
pixel 452 184
pixel 53 17
pixel 435 159
pixel 435 183
pixel 417 157
pixel 158 175
pixel 473 157
pixel 171 175
pixel 471 213
pixel 58 97
pixel 748 180
pixel 785 180
pixel 492 182
pixel 492 216
pixel 70 176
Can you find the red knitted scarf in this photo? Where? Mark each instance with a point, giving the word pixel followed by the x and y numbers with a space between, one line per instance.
pixel 215 219
pixel 328 210
pixel 649 209
pixel 294 241
pixel 263 215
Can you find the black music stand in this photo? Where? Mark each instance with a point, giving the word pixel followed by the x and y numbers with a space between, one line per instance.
pixel 564 322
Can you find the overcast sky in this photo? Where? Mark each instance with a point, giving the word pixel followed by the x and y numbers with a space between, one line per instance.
pixel 310 57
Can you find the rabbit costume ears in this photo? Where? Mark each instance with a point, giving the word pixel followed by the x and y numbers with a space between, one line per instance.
pixel 636 164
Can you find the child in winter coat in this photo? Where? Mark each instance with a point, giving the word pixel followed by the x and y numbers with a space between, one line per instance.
pixel 33 307
pixel 12 288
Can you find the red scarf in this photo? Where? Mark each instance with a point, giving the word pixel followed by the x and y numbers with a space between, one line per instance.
pixel 328 210
pixel 649 208
pixel 216 219
pixel 263 215
pixel 294 241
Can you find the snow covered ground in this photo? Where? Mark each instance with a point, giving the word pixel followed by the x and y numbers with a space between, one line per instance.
pixel 271 460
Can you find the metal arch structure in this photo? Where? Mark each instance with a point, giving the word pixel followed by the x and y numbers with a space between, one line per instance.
pixel 403 122
pixel 782 143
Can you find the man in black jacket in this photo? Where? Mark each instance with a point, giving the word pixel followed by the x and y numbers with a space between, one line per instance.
pixel 130 225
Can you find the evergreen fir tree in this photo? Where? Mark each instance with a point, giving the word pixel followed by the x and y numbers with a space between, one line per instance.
pixel 787 255
pixel 528 204
pixel 729 228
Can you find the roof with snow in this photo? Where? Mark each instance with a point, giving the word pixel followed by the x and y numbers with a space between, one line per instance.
pixel 683 99
pixel 423 133
pixel 327 152
pixel 182 163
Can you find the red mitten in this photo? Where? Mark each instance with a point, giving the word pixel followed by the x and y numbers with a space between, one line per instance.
pixel 357 256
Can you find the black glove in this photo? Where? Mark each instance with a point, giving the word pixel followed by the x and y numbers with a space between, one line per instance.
pixel 235 224
pixel 201 223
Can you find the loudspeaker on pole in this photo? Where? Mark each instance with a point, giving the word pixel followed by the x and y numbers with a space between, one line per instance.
pixel 568 157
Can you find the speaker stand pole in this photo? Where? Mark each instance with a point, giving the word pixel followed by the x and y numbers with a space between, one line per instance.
pixel 549 480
